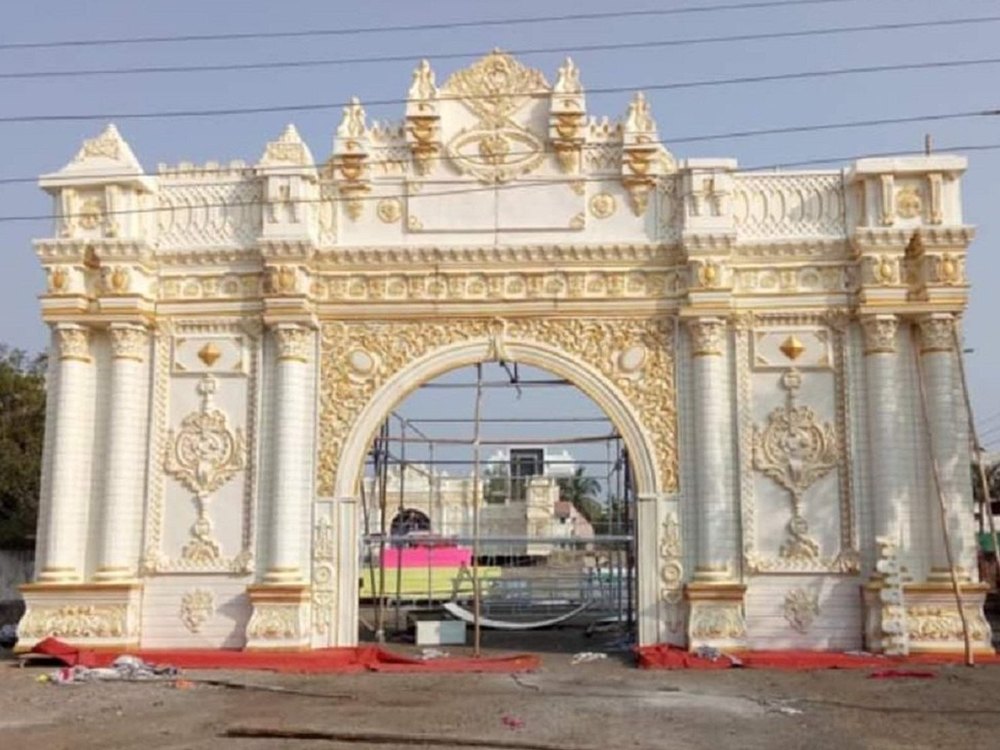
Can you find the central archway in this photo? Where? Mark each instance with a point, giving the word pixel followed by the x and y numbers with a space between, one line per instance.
pixel 625 365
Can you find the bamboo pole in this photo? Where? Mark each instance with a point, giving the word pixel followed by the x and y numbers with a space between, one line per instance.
pixel 383 474
pixel 936 474
pixel 476 599
pixel 977 450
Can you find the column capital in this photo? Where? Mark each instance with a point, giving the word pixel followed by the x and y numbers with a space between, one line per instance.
pixel 937 332
pixel 880 333
pixel 73 341
pixel 294 341
pixel 129 341
pixel 707 336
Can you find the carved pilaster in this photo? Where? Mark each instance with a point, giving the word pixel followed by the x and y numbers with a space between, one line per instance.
pixel 129 341
pixel 73 342
pixel 937 333
pixel 716 616
pixel 708 336
pixel 280 618
pixel 880 333
pixel 294 342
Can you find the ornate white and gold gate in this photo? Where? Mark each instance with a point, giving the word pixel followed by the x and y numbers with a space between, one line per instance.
pixel 226 339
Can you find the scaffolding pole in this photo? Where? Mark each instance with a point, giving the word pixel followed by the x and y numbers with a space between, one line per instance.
pixel 977 450
pixel 476 597
pixel 936 474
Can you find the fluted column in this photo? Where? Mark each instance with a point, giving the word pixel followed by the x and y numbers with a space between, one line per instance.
pixel 937 355
pixel 71 456
pixel 126 452
pixel 886 450
pixel 715 512
pixel 290 443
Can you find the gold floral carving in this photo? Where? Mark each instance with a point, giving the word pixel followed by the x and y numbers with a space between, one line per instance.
pixel 801 608
pixel 273 622
pixel 90 213
pixel 707 336
pixel 880 333
pixel 129 342
pixel 496 149
pixel 389 210
pixel 795 450
pixel 908 203
pixel 930 623
pixel 197 607
pixel 58 280
pixel 73 342
pixel 388 347
pixel 203 455
pixel 324 552
pixel 717 621
pixel 75 621
pixel 671 569
pixel 294 342
pixel 495 87
pixel 937 333
pixel 603 206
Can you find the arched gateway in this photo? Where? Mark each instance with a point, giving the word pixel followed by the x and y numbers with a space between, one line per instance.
pixel 225 340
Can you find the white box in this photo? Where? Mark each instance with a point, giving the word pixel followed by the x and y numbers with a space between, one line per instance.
pixel 440 633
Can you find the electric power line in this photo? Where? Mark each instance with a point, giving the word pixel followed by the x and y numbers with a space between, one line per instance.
pixel 444 25
pixel 574 49
pixel 524 183
pixel 740 80
pixel 786 130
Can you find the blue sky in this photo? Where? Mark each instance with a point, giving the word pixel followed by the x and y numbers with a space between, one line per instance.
pixel 34 148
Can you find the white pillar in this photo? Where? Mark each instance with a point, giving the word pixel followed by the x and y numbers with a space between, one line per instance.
pixel 126 452
pixel 937 355
pixel 292 427
pixel 71 455
pixel 713 500
pixel 889 469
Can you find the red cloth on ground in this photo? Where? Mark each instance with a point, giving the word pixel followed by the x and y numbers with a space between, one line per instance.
pixel 362 658
pixel 666 656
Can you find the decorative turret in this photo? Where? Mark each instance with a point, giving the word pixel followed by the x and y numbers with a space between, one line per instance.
pixel 106 223
pixel 640 149
pixel 289 179
pixel 423 120
pixel 350 156
pixel 567 117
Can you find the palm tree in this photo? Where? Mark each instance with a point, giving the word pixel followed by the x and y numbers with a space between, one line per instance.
pixel 582 491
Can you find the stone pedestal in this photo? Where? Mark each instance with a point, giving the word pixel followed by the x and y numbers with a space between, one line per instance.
pixel 91 615
pixel 280 619
pixel 716 616
pixel 933 621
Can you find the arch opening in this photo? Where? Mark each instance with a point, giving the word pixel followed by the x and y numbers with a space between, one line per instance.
pixel 544 517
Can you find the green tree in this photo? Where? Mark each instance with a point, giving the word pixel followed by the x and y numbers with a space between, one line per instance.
pixel 22 428
pixel 582 491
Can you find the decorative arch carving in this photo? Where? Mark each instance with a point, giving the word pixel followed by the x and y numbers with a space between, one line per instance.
pixel 625 364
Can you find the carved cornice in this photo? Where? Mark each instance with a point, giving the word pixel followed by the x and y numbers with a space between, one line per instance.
pixel 80 250
pixel 543 254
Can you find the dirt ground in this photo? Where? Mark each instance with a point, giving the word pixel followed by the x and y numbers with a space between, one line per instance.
pixel 601 704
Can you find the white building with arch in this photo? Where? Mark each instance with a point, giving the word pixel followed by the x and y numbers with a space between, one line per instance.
pixel 226 340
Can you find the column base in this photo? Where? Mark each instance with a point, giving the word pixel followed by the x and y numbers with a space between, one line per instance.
pixel 933 621
pixel 280 619
pixel 716 615
pixel 88 615
pixel 885 618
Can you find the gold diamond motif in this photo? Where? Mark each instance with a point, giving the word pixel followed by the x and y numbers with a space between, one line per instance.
pixel 209 354
pixel 792 348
